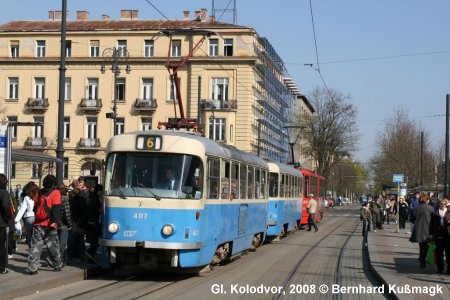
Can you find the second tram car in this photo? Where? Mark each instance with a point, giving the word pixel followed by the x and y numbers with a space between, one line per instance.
pixel 313 184
pixel 180 200
pixel 284 212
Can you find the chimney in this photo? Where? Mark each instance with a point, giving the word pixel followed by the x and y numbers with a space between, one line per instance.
pixel 128 14
pixel 135 14
pixel 105 18
pixel 185 15
pixel 51 15
pixel 82 15
pixel 212 19
pixel 204 14
pixel 197 15
pixel 56 15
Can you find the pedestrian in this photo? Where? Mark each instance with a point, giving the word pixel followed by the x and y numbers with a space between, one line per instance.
pixel 66 222
pixel 26 212
pixel 387 209
pixel 12 243
pixel 5 217
pixel 438 230
pixel 366 216
pixel 403 213
pixel 311 208
pixel 47 220
pixel 78 207
pixel 376 210
pixel 421 231
pixel 93 219
pixel 18 193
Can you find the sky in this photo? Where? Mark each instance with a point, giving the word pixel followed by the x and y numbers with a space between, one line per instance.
pixel 386 54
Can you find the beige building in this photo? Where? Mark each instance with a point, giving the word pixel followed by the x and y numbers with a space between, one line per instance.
pixel 243 99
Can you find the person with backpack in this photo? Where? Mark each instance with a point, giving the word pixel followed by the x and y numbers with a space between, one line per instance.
pixel 5 217
pixel 47 221
pixel 26 212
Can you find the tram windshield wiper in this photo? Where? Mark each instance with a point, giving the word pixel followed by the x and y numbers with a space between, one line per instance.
pixel 122 196
pixel 149 190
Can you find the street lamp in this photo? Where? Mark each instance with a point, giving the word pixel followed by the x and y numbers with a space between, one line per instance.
pixel 293 137
pixel 114 57
pixel 212 119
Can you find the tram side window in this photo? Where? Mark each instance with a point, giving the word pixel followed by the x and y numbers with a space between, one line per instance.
pixel 250 182
pixel 192 175
pixel 213 178
pixel 287 186
pixel 282 185
pixel 264 186
pixel 258 184
pixel 300 187
pixel 243 181
pixel 273 184
pixel 225 180
pixel 234 180
pixel 306 187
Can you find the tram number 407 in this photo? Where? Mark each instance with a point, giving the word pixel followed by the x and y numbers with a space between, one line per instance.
pixel 140 216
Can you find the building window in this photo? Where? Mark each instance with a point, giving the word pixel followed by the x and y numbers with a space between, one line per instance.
pixel 68 48
pixel 92 89
pixel 94 48
pixel 173 90
pixel 148 48
pixel 147 88
pixel 13 170
pixel 231 133
pixel 14 49
pixel 146 123
pixel 39 88
pixel 13 128
pixel 217 129
pixel 36 170
pixel 66 133
pixel 40 48
pixel 13 91
pixel 121 48
pixel 228 47
pixel 176 48
pixel 120 126
pixel 68 89
pixel 91 128
pixel 213 47
pixel 38 130
pixel 219 88
pixel 120 89
pixel 66 168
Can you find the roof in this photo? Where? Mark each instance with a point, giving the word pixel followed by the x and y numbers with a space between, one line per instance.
pixel 25 155
pixel 109 25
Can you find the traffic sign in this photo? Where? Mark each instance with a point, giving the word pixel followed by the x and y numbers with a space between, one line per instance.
pixel 398 178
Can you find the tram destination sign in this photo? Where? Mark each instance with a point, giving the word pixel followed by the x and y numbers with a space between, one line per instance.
pixel 149 142
pixel 397 178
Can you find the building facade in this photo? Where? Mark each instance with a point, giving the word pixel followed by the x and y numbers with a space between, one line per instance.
pixel 233 84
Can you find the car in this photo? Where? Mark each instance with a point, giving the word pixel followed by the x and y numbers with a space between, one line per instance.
pixel 330 202
pixel 345 201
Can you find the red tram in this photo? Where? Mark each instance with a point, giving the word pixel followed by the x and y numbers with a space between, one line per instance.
pixel 313 183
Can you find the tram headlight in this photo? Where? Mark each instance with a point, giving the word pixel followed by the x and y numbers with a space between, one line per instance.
pixel 113 227
pixel 167 230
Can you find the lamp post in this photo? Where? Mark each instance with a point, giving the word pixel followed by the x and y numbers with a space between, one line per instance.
pixel 114 57
pixel 212 126
pixel 293 137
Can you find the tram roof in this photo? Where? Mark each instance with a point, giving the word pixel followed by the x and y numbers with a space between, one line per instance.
pixel 284 168
pixel 211 147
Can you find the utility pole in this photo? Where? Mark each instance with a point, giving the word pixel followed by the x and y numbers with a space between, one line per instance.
pixel 114 57
pixel 421 160
pixel 447 141
pixel 62 91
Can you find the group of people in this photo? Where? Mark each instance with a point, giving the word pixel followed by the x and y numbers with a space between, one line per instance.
pixel 58 217
pixel 430 222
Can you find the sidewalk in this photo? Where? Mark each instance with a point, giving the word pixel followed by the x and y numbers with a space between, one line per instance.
pixel 394 259
pixel 17 283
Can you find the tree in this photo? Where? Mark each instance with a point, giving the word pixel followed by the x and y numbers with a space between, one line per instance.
pixel 399 151
pixel 331 133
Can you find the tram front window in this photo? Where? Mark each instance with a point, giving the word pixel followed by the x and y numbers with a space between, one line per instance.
pixel 154 175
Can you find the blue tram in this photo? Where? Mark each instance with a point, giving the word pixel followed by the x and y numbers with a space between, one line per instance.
pixel 284 212
pixel 180 200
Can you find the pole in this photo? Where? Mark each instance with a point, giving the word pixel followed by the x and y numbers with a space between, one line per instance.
pixel 447 140
pixel 421 160
pixel 398 208
pixel 116 71
pixel 259 137
pixel 62 90
pixel 199 95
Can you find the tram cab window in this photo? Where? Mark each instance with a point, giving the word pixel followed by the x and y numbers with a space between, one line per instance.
pixel 213 178
pixel 273 184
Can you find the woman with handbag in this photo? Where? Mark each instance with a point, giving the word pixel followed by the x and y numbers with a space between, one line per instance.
pixel 26 211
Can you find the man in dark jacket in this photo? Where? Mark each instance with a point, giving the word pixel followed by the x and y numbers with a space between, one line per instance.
pixel 422 227
pixel 5 217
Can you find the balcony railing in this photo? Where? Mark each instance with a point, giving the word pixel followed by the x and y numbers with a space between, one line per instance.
pixel 218 104
pixel 89 143
pixel 91 104
pixel 36 143
pixel 145 104
pixel 37 104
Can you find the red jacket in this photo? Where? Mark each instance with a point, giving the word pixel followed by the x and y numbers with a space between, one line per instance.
pixel 54 203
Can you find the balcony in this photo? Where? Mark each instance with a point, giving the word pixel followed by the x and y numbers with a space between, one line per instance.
pixel 145 105
pixel 35 143
pixel 37 104
pixel 91 105
pixel 89 144
pixel 218 104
